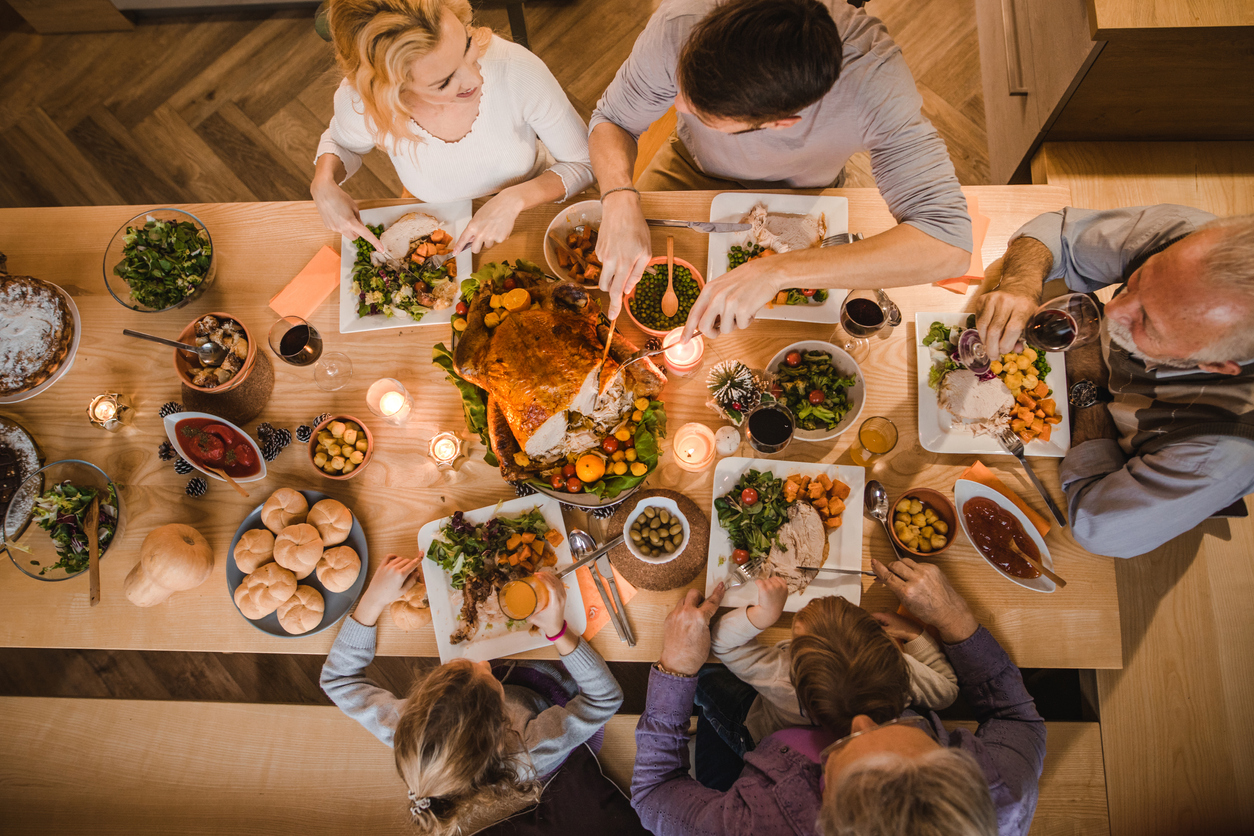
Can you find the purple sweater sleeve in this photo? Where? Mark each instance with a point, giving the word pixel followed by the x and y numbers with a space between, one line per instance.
pixel 1010 741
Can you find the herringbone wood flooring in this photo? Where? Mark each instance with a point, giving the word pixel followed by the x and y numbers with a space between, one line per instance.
pixel 230 107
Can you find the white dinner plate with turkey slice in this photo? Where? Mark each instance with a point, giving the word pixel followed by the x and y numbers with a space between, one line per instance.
pixel 440 592
pixel 731 207
pixel 844 543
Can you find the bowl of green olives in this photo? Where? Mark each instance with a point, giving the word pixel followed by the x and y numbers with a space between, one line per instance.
pixel 655 530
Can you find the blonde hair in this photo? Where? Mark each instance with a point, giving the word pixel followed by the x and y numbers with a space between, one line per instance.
pixel 939 793
pixel 376 43
pixel 457 752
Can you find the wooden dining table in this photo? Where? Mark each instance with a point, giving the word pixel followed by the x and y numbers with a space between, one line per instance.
pixel 260 247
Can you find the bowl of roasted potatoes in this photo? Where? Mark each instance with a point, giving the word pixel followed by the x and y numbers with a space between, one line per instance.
pixel 924 522
pixel 341 447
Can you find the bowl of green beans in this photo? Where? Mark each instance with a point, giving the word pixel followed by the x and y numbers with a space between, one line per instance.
pixel 644 303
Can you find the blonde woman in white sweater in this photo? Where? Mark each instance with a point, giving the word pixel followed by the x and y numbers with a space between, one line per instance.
pixel 460 112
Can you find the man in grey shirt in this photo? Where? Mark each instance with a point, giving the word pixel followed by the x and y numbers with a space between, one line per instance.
pixel 1163 406
pixel 777 94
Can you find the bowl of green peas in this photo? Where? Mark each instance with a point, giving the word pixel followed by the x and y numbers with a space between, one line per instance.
pixel 644 303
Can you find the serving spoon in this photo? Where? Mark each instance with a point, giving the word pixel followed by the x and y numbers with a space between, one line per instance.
pixel 1036 564
pixel 208 352
pixel 876 501
pixel 670 302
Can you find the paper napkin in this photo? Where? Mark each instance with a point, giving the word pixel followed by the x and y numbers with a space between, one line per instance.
pixel 593 606
pixel 979 473
pixel 311 287
pixel 979 231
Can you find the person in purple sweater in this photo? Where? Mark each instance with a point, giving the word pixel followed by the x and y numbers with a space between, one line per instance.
pixel 909 775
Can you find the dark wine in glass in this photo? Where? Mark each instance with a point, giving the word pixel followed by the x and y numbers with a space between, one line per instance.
pixel 861 317
pixel 296 341
pixel 770 428
pixel 1052 330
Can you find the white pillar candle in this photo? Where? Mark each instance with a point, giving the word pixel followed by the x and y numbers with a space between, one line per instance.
pixel 682 358
pixel 694 447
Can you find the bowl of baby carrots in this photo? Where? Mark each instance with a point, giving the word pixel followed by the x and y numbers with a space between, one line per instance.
pixel 570 243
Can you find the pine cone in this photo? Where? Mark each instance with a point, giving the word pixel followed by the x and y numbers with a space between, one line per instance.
pixel 303 433
pixel 282 438
pixel 652 344
pixel 166 451
pixel 324 416
pixel 270 449
pixel 604 513
pixel 197 486
pixel 264 431
pixel 169 408
pixel 183 467
pixel 523 489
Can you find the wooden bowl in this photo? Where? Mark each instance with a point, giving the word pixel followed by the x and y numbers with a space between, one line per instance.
pixel 185 366
pixel 696 274
pixel 313 445
pixel 940 505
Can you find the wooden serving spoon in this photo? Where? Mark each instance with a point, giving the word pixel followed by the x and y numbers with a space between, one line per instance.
pixel 670 302
pixel 572 255
pixel 92 524
pixel 1040 567
pixel 228 478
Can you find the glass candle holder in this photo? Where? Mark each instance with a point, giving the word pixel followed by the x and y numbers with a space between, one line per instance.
pixel 694 447
pixel 390 400
pixel 682 358
pixel 110 412
pixel 445 449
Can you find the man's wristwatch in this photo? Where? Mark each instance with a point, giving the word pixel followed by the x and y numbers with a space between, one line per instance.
pixel 1086 393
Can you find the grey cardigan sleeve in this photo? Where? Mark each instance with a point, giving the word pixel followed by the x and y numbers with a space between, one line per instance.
pixel 378 709
pixel 556 731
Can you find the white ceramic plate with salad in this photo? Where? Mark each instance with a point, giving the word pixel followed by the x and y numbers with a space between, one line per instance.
pixel 731 207
pixel 440 592
pixel 936 431
pixel 844 543
pixel 454 215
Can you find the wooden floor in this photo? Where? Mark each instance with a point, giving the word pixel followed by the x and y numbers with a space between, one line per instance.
pixel 230 107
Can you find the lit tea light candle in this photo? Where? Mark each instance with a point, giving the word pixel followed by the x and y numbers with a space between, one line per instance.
pixel 694 447
pixel 109 412
pixel 445 449
pixel 389 400
pixel 682 358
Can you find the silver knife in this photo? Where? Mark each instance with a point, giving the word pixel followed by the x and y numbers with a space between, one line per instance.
pixel 615 618
pixel 700 226
pixel 606 569
pixel 591 556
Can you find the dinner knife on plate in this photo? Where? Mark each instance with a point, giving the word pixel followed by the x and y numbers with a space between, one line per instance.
pixel 707 227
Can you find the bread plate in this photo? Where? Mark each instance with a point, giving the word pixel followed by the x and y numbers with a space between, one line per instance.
pixel 337 604
pixel 439 589
pixel 455 215
pixel 731 207
pixel 844 363
pixel 964 490
pixel 936 432
pixel 844 543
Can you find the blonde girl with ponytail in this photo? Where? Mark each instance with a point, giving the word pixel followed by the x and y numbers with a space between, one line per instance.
pixel 460 112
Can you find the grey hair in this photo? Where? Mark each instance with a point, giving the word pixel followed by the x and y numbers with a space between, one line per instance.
pixel 940 793
pixel 1230 264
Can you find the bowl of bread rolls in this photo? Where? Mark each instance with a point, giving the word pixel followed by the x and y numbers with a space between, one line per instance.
pixel 297 563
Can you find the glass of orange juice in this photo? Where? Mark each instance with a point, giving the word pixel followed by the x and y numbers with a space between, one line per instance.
pixel 522 598
pixel 876 437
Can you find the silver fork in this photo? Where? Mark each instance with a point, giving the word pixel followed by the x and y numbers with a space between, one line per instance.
pixel 635 358
pixel 741 575
pixel 1013 445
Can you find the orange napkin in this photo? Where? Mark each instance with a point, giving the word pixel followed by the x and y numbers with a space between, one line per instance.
pixel 979 473
pixel 310 288
pixel 979 231
pixel 593 606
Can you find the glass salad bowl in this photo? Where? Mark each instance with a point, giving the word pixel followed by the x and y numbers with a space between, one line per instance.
pixel 174 266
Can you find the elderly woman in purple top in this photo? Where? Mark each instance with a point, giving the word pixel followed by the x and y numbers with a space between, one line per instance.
pixel 906 776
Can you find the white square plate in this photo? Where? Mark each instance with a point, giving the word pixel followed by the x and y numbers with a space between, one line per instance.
pixel 454 215
pixel 844 543
pixel 934 423
pixel 439 590
pixel 731 207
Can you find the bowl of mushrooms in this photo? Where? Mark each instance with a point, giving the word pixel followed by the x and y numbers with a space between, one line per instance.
pixel 227 332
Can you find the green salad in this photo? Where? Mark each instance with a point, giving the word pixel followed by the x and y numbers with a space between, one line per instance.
pixel 812 387
pixel 164 262
pixel 466 550
pixel 738 255
pixel 753 526
pixel 61 511
pixel 413 288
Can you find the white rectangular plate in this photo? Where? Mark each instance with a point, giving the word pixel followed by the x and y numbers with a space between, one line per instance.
pixel 731 207
pixel 934 423
pixel 845 543
pixel 439 590
pixel 454 215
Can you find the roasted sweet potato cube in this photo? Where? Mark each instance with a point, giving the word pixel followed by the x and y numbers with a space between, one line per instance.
pixel 563 258
pixel 1025 399
pixel 554 537
pixel 592 272
pixel 1038 425
pixel 1045 431
pixel 1039 413
pixel 592 258
pixel 804 482
pixel 824 480
pixel 815 491
pixel 1041 390
pixel 1018 424
pixel 820 504
pixel 839 489
pixel 1026 435
pixel 528 537
pixel 1048 404
pixel 832 522
pixel 791 489
pixel 1053 419
pixel 572 240
pixel 514 559
pixel 514 541
pixel 835 506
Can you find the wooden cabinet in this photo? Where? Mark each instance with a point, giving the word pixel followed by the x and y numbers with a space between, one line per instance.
pixel 1112 70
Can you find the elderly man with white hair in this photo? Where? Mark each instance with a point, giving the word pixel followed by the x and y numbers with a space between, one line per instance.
pixel 1163 407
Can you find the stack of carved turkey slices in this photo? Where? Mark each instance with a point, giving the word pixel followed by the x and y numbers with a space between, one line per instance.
pixel 297 541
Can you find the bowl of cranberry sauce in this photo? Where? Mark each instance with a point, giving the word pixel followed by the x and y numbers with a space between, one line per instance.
pixel 210 443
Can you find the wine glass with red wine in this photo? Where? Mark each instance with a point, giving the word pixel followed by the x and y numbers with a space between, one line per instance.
pixel 771 427
pixel 862 316
pixel 295 341
pixel 1064 323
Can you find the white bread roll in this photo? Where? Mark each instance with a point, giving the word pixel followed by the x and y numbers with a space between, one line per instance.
pixel 338 568
pixel 333 521
pixel 254 549
pixel 261 592
pixel 412 611
pixel 298 548
pixel 284 507
pixel 303 611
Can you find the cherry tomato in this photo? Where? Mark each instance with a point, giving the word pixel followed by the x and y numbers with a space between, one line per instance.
pixel 740 557
pixel 817 397
pixel 462 309
pixel 749 496
pixel 807 293
pixel 568 471
pixel 557 481
pixel 793 359
pixel 574 485
pixel 510 284
pixel 610 444
pixel 777 391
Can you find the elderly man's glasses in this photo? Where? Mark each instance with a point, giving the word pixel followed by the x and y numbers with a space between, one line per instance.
pixel 913 720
